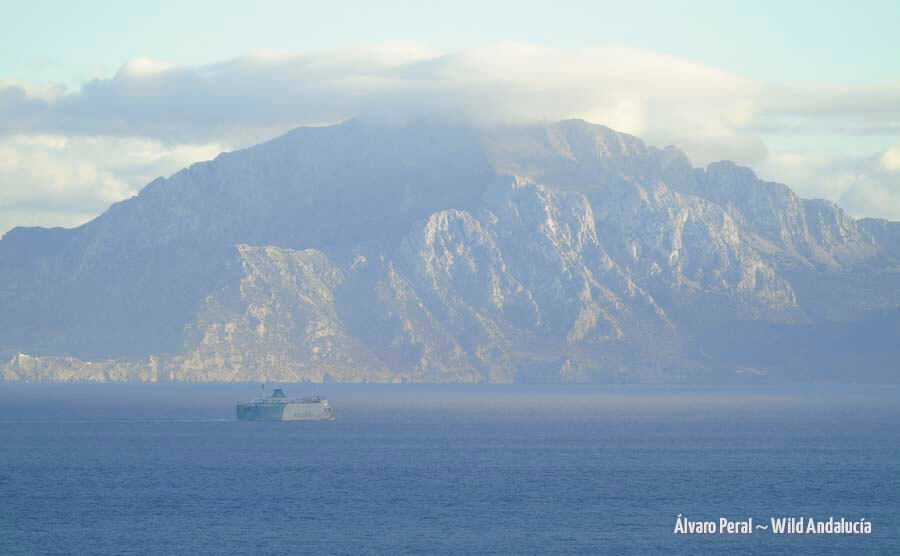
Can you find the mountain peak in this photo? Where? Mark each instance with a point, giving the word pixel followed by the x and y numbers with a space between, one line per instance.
pixel 364 251
pixel 730 171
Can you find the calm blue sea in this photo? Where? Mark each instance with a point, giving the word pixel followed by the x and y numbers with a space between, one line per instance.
pixel 165 469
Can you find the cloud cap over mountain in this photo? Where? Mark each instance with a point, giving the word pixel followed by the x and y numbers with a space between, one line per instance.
pixel 636 91
pixel 175 110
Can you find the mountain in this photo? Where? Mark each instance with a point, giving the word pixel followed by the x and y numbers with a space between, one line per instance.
pixel 537 253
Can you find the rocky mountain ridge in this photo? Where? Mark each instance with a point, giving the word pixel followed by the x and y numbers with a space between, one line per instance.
pixel 356 252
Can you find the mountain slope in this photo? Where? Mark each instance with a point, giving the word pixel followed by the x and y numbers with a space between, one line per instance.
pixel 357 252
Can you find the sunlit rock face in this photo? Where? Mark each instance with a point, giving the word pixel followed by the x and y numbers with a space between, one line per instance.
pixel 559 252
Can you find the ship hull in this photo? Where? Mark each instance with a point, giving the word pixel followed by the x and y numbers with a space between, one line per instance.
pixel 284 412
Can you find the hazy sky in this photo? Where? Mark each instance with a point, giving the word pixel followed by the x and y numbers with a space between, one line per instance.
pixel 98 98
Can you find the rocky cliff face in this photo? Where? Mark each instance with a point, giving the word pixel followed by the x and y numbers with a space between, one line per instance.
pixel 562 252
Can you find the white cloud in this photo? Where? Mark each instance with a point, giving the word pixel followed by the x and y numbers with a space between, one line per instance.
pixel 631 90
pixel 52 179
pixel 863 186
pixel 872 197
pixel 875 191
pixel 890 160
pixel 77 151
pixel 142 67
pixel 647 93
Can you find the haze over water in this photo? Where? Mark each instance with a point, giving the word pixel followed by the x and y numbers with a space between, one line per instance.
pixel 544 469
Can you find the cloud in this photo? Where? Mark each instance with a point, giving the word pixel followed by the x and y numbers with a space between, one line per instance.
pixel 866 186
pixel 890 160
pixel 660 97
pixel 78 150
pixel 828 108
pixel 245 98
pixel 875 187
pixel 59 180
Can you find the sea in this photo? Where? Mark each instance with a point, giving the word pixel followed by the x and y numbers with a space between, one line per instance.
pixel 163 469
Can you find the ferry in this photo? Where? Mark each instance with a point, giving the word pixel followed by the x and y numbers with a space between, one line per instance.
pixel 278 407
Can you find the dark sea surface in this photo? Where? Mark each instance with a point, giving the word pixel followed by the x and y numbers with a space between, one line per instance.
pixel 166 469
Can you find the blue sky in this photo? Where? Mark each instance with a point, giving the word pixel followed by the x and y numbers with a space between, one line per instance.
pixel 803 92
